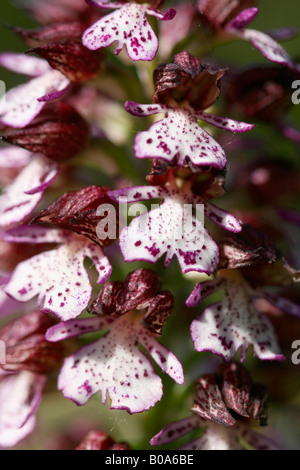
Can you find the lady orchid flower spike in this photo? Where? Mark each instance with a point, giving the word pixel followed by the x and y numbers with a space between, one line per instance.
pixel 235 322
pixel 58 276
pixel 128 26
pixel 224 404
pixel 131 312
pixel 232 17
pixel 183 89
pixel 173 228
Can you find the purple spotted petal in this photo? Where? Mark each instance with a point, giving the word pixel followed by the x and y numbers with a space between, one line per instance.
pixel 221 217
pixel 162 356
pixel 24 64
pixel 269 48
pixel 115 366
pixel 20 105
pixel 128 26
pixel 14 157
pixel 141 110
pixel 138 193
pixel 234 323
pixel 20 395
pixel 225 123
pixel 34 234
pixel 179 135
pixel 243 19
pixel 58 277
pixel 105 4
pixel 73 328
pixel 22 196
pixel 176 430
pixel 203 290
pixel 166 230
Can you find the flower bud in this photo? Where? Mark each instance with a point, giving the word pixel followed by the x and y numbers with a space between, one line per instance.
pixel 78 211
pixel 187 81
pixel 58 134
pixel 71 58
pixel 26 346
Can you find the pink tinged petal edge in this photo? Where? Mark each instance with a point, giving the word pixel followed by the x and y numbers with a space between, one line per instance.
pixel 105 4
pixel 152 234
pixel 289 131
pixel 142 110
pixel 21 197
pixel 24 64
pixel 14 157
pixel 243 19
pixel 203 290
pixel 225 123
pixel 138 193
pixel 269 48
pixel 72 328
pixel 281 303
pixel 128 26
pixel 7 305
pixel 225 327
pixel 59 278
pixel 176 430
pixel 20 105
pixel 34 234
pixel 162 356
pixel 167 16
pixel 283 34
pixel 20 395
pixel 115 366
pixel 54 95
pixel 179 135
pixel 221 217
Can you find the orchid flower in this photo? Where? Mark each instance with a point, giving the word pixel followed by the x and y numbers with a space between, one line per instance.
pixel 233 17
pixel 23 103
pixel 128 26
pixel 172 228
pixel 115 364
pixel 223 403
